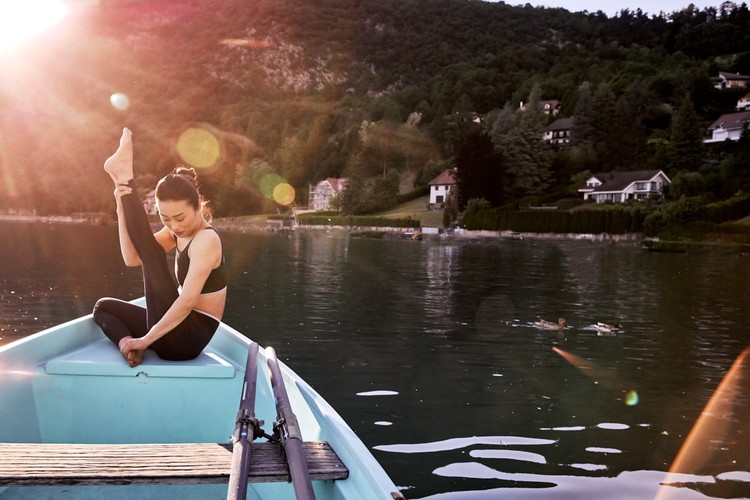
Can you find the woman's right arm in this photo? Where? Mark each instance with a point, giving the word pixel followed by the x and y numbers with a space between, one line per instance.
pixel 129 254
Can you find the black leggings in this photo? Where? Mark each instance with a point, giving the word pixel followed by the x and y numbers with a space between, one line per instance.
pixel 119 319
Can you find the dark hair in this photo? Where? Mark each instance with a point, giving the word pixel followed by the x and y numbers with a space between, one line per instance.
pixel 182 185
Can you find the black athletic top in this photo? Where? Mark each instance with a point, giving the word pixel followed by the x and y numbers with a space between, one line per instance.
pixel 216 281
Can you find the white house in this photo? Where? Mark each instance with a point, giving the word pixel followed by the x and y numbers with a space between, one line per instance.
pixel 441 187
pixel 558 132
pixel 149 202
pixel 619 187
pixel 727 80
pixel 743 103
pixel 324 191
pixel 729 127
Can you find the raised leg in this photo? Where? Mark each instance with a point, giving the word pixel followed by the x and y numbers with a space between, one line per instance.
pixel 119 166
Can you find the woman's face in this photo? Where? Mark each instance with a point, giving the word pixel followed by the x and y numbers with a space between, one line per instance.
pixel 180 217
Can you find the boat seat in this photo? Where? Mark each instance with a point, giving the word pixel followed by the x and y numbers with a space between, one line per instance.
pixel 102 358
pixel 36 464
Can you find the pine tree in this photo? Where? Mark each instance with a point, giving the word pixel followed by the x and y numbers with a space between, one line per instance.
pixel 479 170
pixel 685 149
pixel 631 110
pixel 583 128
pixel 527 156
pixel 603 104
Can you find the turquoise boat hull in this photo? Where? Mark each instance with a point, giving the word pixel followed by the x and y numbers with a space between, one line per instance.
pixel 69 384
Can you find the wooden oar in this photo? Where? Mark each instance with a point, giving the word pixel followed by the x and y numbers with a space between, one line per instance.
pixel 291 436
pixel 244 430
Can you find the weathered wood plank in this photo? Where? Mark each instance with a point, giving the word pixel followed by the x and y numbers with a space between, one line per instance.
pixel 26 464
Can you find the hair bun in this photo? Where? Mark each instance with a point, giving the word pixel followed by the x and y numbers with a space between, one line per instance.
pixel 187 172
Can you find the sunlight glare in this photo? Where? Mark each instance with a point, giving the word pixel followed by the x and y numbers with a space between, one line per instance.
pixel 275 188
pixel 17 373
pixel 119 101
pixel 608 378
pixel 631 398
pixel 247 42
pixel 283 194
pixel 21 20
pixel 721 429
pixel 268 183
pixel 199 147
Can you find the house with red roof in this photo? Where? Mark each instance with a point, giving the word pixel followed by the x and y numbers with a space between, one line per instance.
pixel 325 191
pixel 441 187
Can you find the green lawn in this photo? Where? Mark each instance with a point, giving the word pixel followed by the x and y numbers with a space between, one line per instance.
pixel 416 209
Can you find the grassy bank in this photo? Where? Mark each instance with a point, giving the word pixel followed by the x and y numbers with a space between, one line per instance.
pixel 416 209
pixel 699 235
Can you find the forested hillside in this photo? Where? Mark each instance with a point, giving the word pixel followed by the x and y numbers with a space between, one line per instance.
pixel 377 91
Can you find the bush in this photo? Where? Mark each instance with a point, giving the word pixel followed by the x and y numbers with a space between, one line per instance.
pixel 316 219
pixel 685 209
pixel 734 208
pixel 614 220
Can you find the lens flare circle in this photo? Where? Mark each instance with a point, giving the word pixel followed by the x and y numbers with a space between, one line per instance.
pixel 283 194
pixel 198 147
pixel 119 101
pixel 268 183
pixel 631 398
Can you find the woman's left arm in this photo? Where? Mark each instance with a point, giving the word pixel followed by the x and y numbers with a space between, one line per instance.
pixel 205 254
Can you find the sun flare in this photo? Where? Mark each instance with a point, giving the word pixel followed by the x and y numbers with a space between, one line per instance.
pixel 21 20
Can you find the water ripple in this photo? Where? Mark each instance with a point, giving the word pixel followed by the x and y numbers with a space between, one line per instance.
pixel 458 443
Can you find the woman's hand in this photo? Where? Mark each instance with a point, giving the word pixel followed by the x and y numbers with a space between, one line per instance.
pixel 120 191
pixel 129 345
pixel 133 349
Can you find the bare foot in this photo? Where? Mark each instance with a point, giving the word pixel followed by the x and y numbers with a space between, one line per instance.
pixel 134 358
pixel 119 166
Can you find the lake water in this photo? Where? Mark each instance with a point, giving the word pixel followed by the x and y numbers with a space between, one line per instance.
pixel 428 350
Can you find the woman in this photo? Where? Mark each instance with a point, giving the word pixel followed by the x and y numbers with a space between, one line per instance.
pixel 177 323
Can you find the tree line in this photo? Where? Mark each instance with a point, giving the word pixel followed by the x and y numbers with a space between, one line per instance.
pixel 378 92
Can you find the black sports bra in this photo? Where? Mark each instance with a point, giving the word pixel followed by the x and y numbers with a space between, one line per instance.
pixel 215 282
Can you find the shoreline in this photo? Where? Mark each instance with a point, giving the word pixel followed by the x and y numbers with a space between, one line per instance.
pixel 233 225
pixel 48 219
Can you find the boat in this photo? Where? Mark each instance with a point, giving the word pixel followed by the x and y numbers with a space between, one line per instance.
pixel 550 325
pixel 77 421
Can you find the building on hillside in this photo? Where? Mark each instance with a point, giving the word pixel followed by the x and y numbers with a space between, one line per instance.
pixel 149 202
pixel 729 127
pixel 441 187
pixel 727 80
pixel 558 132
pixel 550 107
pixel 743 103
pixel 619 187
pixel 324 191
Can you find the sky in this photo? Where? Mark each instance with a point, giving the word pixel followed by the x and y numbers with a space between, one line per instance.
pixel 613 7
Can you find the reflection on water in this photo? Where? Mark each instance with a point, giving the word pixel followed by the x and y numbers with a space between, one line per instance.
pixel 55 272
pixel 428 350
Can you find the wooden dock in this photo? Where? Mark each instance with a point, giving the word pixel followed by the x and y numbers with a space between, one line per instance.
pixel 30 464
